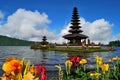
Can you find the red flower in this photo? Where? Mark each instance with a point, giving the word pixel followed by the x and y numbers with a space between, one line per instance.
pixel 43 70
pixel 75 59
pixel 43 77
pixel 38 69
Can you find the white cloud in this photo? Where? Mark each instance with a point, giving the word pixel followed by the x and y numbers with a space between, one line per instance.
pixel 27 25
pixel 98 30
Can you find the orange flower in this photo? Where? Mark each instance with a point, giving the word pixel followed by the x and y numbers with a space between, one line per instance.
pixel 12 64
pixel 32 70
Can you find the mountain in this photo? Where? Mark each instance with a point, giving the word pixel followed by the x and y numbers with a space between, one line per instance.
pixel 8 41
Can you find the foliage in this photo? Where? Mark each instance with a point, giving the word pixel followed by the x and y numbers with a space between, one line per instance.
pixel 7 41
pixel 87 50
pixel 114 43
pixel 20 70
pixel 76 69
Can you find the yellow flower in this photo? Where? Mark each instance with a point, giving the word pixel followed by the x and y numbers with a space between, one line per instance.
pixel 96 75
pixel 105 67
pixel 83 61
pixel 12 64
pixel 28 76
pixel 59 67
pixel 99 60
pixel 68 63
pixel 116 58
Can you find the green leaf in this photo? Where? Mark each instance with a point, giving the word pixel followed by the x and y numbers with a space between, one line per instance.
pixel 27 68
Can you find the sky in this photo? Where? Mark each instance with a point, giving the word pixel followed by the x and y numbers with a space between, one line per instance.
pixel 32 19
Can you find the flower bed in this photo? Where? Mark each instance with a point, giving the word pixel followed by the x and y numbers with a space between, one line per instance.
pixel 75 69
pixel 14 69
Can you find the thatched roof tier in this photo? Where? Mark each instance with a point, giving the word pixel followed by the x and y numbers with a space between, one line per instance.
pixel 75 31
pixel 44 42
pixel 75 23
pixel 75 20
pixel 75 36
pixel 75 27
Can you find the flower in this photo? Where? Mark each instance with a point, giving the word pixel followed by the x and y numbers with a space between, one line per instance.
pixel 43 77
pixel 99 60
pixel 12 64
pixel 38 69
pixel 116 58
pixel 17 70
pixel 59 67
pixel 28 76
pixel 104 67
pixel 32 70
pixel 43 70
pixel 83 61
pixel 96 75
pixel 75 59
pixel 68 63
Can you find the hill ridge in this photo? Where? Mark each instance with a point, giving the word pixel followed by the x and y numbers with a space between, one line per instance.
pixel 8 41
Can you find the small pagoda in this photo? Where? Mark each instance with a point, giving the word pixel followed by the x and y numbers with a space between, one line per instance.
pixel 75 37
pixel 44 42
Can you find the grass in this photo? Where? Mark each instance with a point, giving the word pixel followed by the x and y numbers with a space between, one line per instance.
pixel 88 50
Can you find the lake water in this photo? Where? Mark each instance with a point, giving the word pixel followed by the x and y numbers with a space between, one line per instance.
pixel 50 58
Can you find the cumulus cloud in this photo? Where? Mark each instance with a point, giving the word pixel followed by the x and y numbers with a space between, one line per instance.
pixel 27 25
pixel 33 25
pixel 98 31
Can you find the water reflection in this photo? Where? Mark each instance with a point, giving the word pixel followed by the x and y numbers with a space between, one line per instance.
pixel 51 58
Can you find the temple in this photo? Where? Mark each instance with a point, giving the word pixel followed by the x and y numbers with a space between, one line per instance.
pixel 44 42
pixel 75 37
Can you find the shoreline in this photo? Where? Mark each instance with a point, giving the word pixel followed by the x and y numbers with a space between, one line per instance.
pixel 80 49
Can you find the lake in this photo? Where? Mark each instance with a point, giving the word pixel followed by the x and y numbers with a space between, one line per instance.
pixel 50 58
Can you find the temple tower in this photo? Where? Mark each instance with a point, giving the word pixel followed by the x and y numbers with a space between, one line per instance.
pixel 44 42
pixel 75 37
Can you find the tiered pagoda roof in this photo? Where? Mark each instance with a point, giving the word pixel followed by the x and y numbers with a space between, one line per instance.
pixel 75 28
pixel 44 42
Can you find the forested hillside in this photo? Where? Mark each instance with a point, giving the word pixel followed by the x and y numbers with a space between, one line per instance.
pixel 114 43
pixel 7 41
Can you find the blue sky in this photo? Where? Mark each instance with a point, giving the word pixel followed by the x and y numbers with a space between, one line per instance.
pixel 59 12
